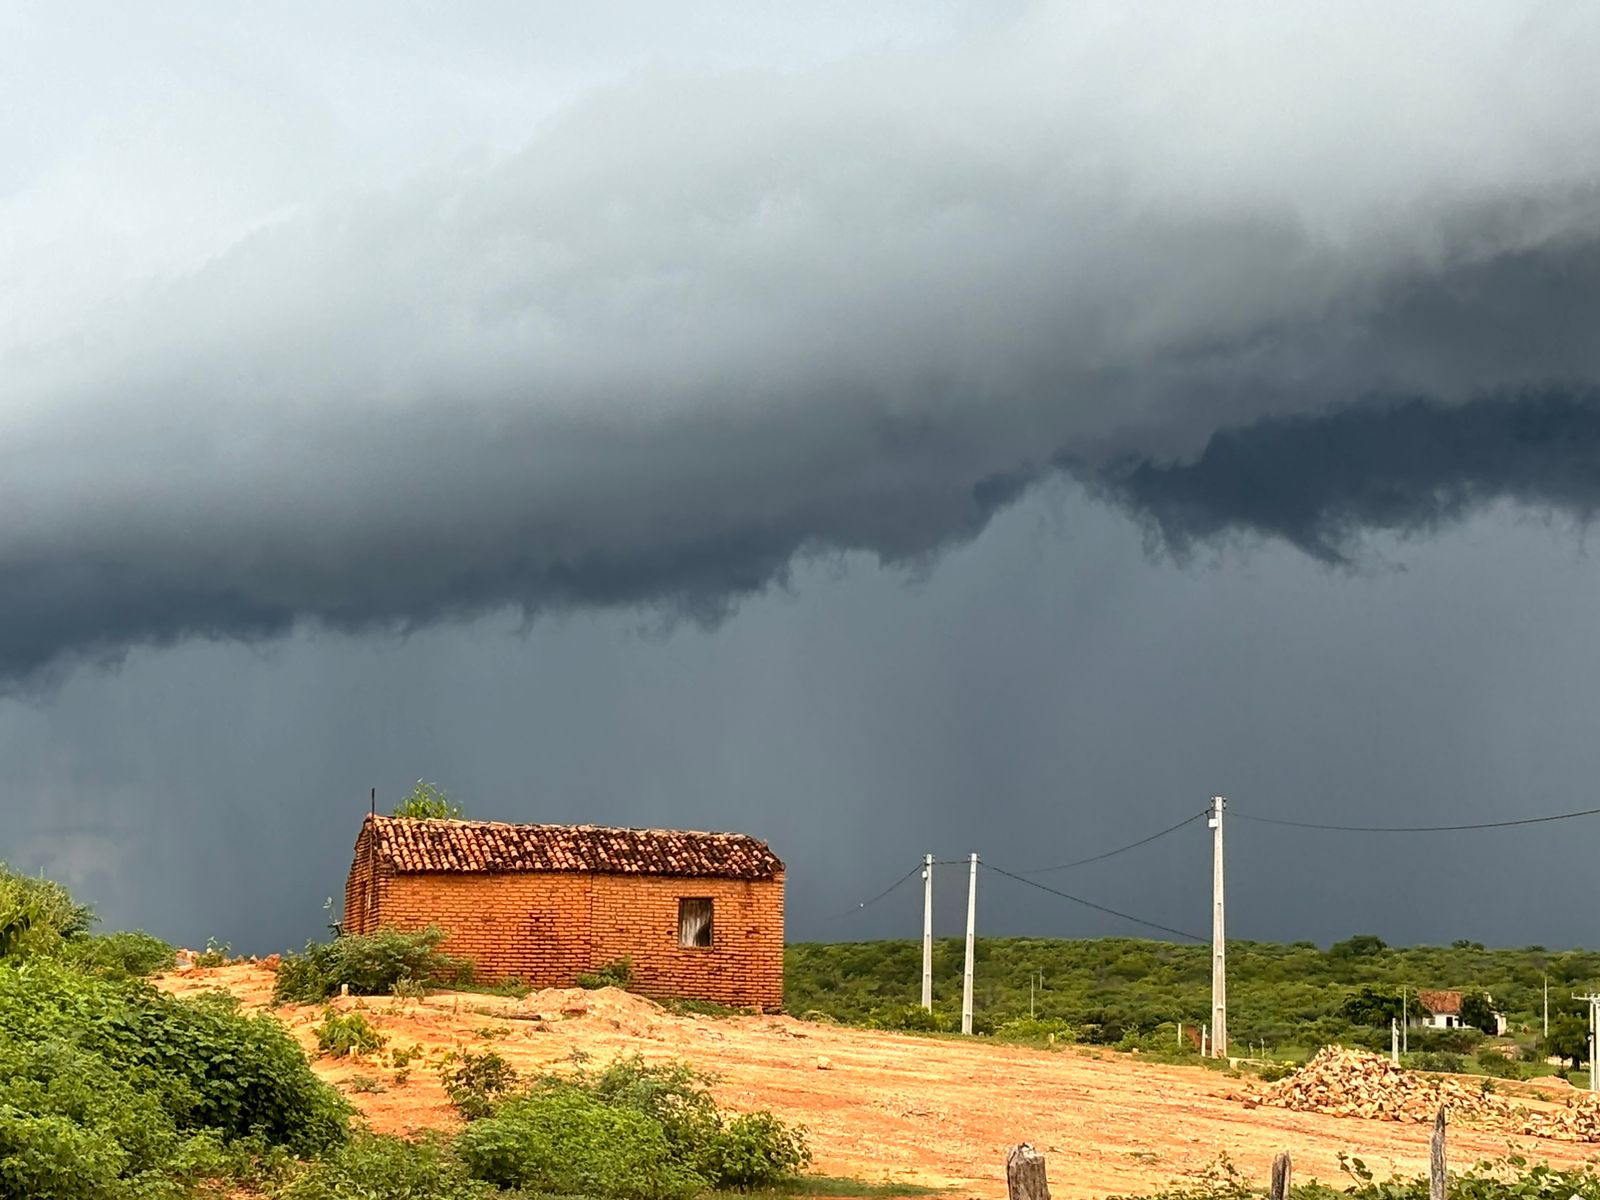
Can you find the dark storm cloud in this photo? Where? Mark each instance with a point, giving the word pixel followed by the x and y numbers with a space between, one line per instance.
pixel 1411 466
pixel 705 325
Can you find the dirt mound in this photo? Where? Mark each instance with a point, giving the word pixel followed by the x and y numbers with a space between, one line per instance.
pixel 1353 1083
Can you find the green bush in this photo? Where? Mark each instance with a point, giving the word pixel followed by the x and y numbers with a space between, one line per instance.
pixel 341 1035
pixel 36 915
pixel 912 1018
pixel 618 974
pixel 476 1081
pixel 1030 1029
pixel 370 964
pixel 374 1167
pixel 208 1066
pixel 128 955
pixel 754 1150
pixel 570 1142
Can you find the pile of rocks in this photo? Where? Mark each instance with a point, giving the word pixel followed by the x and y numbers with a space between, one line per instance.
pixel 1578 1121
pixel 1354 1083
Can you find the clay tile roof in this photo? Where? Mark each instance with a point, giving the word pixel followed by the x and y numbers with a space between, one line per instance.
pixel 1441 1003
pixel 411 845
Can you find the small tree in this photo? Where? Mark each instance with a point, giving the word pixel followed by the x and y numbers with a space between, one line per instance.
pixel 1363 945
pixel 428 800
pixel 1569 1039
pixel 1479 1013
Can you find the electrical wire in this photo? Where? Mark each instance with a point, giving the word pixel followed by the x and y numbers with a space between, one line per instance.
pixel 1144 841
pixel 851 911
pixel 1183 933
pixel 1587 812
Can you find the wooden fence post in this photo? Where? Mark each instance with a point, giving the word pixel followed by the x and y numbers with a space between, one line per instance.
pixel 1436 1169
pixel 1025 1174
pixel 1282 1168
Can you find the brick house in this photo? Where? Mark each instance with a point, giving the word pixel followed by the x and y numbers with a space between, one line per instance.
pixel 700 915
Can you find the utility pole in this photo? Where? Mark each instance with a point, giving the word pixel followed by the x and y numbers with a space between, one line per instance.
pixel 1547 1006
pixel 972 924
pixel 1394 1041
pixel 1219 937
pixel 1405 1023
pixel 927 932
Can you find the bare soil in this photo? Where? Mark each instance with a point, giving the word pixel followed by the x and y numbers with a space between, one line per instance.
pixel 884 1106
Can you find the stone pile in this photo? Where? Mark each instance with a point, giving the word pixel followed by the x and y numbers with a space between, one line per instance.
pixel 1354 1083
pixel 1577 1121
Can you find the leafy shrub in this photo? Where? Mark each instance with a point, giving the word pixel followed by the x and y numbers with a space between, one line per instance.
pixel 210 1067
pixel 475 1081
pixel 755 1150
pixel 618 974
pixel 428 801
pixel 370 964
pixel 125 955
pixel 341 1035
pixel 214 955
pixel 36 915
pixel 912 1018
pixel 570 1142
pixel 1492 1062
pixel 1029 1029
pixel 375 1167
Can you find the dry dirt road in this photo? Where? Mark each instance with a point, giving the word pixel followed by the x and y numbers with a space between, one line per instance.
pixel 888 1106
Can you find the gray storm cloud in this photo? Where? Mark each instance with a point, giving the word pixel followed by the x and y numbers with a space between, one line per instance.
pixel 704 324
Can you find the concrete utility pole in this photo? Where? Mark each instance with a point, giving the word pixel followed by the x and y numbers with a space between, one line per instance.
pixel 1219 937
pixel 972 924
pixel 1405 1023
pixel 927 932
pixel 1594 1020
pixel 1547 1005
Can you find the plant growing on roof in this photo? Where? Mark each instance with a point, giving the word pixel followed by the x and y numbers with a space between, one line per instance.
pixel 428 801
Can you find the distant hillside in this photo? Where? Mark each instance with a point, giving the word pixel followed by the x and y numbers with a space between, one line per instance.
pixel 1290 995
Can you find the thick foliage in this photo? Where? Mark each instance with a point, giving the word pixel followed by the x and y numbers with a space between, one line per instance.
pixel 372 1167
pixel 205 1065
pixel 668 1114
pixel 36 915
pixel 125 955
pixel 369 964
pixel 570 1142
pixel 1293 996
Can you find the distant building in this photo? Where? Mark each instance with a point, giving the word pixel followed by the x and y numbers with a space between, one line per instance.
pixel 1444 1012
pixel 699 915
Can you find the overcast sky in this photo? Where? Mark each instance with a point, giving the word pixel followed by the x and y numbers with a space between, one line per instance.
pixel 882 429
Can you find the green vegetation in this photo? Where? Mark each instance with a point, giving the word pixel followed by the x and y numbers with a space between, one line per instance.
pixel 1131 992
pixel 341 1035
pixel 110 1089
pixel 428 801
pixel 617 973
pixel 372 964
pixel 1511 1178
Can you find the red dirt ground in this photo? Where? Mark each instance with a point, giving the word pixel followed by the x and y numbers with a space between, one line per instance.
pixel 888 1106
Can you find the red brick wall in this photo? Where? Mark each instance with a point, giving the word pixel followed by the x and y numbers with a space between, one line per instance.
pixel 744 964
pixel 546 928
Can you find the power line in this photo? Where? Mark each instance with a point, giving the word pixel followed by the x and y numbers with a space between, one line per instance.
pixel 1183 933
pixel 1144 841
pixel 873 900
pixel 1587 812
